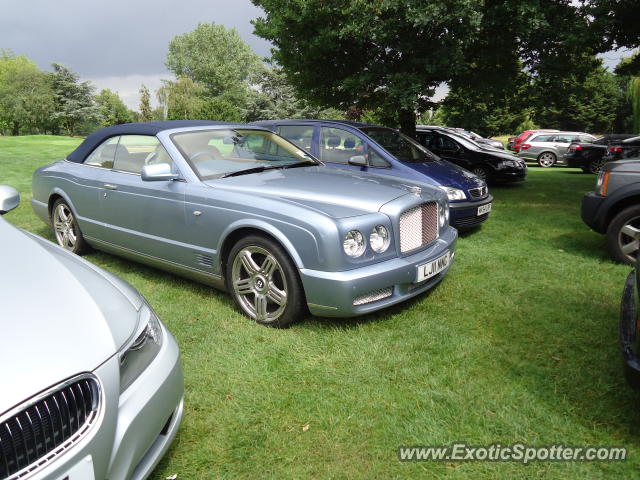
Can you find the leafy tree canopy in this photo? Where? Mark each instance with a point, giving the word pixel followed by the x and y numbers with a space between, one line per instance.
pixel 112 108
pixel 74 101
pixel 213 56
pixel 26 97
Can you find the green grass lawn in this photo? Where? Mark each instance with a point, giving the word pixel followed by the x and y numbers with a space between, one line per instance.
pixel 517 344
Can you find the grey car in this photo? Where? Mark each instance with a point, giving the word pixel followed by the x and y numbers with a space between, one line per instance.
pixel 242 209
pixel 549 148
pixel 613 208
pixel 91 384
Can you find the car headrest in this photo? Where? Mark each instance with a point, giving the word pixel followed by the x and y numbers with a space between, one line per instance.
pixel 349 142
pixel 333 141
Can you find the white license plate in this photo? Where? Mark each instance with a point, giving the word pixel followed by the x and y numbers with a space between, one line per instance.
pixel 430 269
pixel 482 209
pixel 83 470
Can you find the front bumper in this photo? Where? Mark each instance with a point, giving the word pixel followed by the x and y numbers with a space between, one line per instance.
pixel 510 174
pixel 464 215
pixel 135 428
pixel 629 331
pixel 590 212
pixel 332 294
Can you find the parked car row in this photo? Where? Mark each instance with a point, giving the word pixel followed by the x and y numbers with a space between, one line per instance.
pixel 332 218
pixel 574 149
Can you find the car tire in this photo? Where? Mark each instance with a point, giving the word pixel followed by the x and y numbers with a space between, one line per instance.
pixel 65 228
pixel 623 235
pixel 264 282
pixel 480 173
pixel 547 159
pixel 595 166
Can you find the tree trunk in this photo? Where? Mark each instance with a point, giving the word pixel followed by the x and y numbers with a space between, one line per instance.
pixel 15 131
pixel 407 121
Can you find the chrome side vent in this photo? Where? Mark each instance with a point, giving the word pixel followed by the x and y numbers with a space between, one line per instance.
pixel 205 260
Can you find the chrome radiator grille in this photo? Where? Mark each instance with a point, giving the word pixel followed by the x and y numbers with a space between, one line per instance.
pixel 418 226
pixel 478 192
pixel 44 427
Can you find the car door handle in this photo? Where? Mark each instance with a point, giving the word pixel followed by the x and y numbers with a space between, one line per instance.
pixel 108 186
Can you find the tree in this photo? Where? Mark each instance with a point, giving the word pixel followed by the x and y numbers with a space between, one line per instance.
pixel 26 97
pixel 112 108
pixel 369 54
pixel 145 104
pixel 181 99
pixel 275 97
pixel 73 100
pixel 392 55
pixel 215 57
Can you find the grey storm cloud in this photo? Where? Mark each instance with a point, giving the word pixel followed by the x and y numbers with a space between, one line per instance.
pixel 114 38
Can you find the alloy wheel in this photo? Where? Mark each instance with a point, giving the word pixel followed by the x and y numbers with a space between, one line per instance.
pixel 629 239
pixel 480 173
pixel 596 165
pixel 64 227
pixel 259 284
pixel 546 160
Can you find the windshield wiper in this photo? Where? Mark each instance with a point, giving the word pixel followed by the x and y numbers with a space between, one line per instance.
pixel 263 168
pixel 300 164
pixel 247 171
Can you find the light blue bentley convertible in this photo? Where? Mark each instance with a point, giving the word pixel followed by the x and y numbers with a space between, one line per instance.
pixel 242 209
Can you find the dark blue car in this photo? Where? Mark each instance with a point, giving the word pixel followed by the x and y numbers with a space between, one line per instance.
pixel 382 150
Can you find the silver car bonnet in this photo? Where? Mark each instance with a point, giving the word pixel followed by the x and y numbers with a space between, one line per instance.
pixel 59 315
pixel 336 192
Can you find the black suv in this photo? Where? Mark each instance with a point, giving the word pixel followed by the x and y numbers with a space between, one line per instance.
pixel 614 208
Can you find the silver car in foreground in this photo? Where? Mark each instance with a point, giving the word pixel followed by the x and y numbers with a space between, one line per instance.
pixel 549 148
pixel 91 384
pixel 241 208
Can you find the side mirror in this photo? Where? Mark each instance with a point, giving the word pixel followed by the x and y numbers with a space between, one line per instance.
pixel 160 172
pixel 9 199
pixel 358 161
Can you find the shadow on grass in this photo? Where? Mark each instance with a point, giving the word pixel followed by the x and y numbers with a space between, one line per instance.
pixel 587 244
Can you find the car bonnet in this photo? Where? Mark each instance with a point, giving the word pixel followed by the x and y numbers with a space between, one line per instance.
pixel 59 316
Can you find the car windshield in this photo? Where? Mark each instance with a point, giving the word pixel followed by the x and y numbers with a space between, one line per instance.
pixel 228 152
pixel 467 142
pixel 399 145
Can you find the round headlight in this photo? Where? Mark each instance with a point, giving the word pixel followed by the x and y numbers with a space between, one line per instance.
pixel 353 243
pixel 379 239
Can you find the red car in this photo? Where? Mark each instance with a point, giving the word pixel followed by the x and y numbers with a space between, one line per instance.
pixel 515 145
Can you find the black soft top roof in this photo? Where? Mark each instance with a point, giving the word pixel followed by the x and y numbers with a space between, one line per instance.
pixel 141 128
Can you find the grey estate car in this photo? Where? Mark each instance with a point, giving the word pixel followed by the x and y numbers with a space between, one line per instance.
pixel 549 148
pixel 242 209
pixel 91 384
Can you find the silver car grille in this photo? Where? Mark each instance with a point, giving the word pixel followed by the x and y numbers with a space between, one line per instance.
pixel 373 296
pixel 36 432
pixel 478 192
pixel 418 226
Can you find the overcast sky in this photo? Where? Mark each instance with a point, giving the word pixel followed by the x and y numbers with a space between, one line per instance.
pixel 118 44
pixel 121 44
